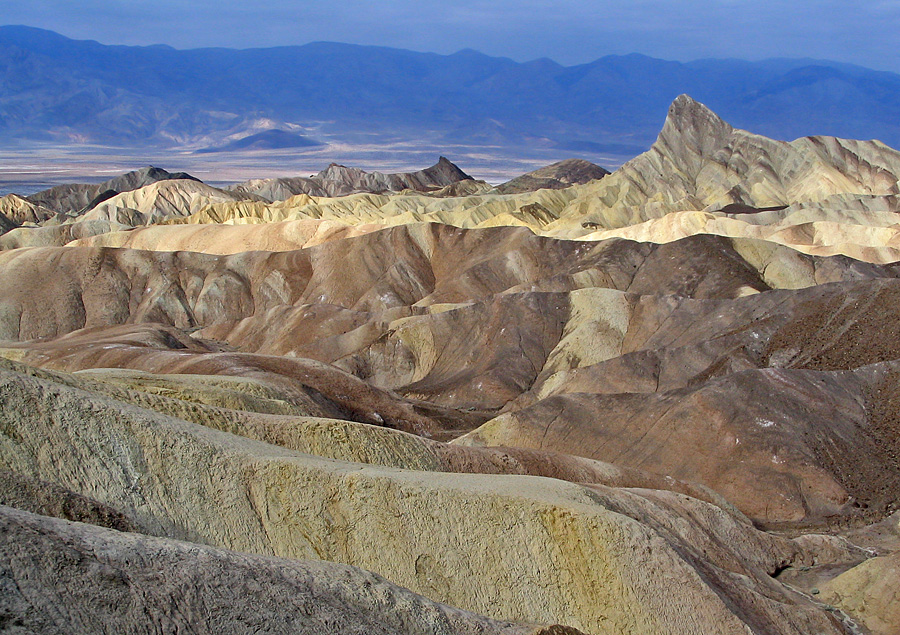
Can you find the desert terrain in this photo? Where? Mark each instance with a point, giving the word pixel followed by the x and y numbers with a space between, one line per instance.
pixel 662 399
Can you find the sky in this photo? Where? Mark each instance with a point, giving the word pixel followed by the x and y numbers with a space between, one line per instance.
pixel 568 31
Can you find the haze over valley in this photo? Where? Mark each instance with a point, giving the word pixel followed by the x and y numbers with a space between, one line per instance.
pixel 84 109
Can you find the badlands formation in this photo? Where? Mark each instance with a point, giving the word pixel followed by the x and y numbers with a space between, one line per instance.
pixel 664 400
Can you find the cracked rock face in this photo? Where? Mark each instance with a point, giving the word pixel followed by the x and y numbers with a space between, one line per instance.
pixel 571 551
pixel 68 577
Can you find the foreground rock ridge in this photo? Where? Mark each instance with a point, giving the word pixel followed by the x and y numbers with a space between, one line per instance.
pixel 239 592
pixel 661 400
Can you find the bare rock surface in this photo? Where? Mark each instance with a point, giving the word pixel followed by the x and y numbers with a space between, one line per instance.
pixel 49 235
pixel 869 592
pixel 737 387
pixel 555 176
pixel 803 435
pixel 582 557
pixel 282 385
pixel 6 224
pixel 421 265
pixel 253 408
pixel 339 180
pixel 76 198
pixel 49 499
pixel 700 162
pixel 219 239
pixel 61 577
pixel 808 194
pixel 660 401
pixel 821 195
pixel 440 328
pixel 158 201
pixel 19 210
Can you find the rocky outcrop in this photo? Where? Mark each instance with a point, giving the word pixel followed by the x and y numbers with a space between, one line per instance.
pixel 49 499
pixel 339 180
pixel 438 328
pixel 736 382
pixel 554 177
pixel 808 440
pixel 73 199
pixel 869 593
pixel 281 385
pixel 415 266
pixel 81 579
pixel 158 201
pixel 585 557
pixel 821 195
pixel 699 162
pixel 221 239
pixel 6 224
pixel 258 409
pixel 16 210
pixel 615 435
pixel 58 235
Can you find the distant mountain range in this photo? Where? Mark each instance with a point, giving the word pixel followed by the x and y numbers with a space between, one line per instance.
pixel 60 90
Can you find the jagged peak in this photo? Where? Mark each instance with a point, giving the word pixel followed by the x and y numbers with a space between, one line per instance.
pixel 692 125
pixel 338 172
pixel 448 169
pixel 686 102
pixel 688 114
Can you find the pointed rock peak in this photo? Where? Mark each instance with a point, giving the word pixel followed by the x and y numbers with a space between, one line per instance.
pixel 151 172
pixel 686 113
pixel 139 178
pixel 691 124
pixel 447 170
pixel 148 174
pixel 685 102
pixel 338 172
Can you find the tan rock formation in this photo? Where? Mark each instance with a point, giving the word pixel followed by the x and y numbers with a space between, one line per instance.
pixel 554 177
pixel 158 201
pixel 49 499
pixel 585 557
pixel 76 198
pixel 339 180
pixel 20 210
pixel 86 580
pixel 699 162
pixel 869 592
pixel 626 417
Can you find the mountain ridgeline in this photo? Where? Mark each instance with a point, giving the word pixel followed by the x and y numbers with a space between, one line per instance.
pixel 57 89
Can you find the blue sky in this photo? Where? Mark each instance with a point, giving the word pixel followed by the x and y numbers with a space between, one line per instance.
pixel 568 31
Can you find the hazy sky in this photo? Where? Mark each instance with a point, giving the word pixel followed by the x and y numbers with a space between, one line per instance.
pixel 569 31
